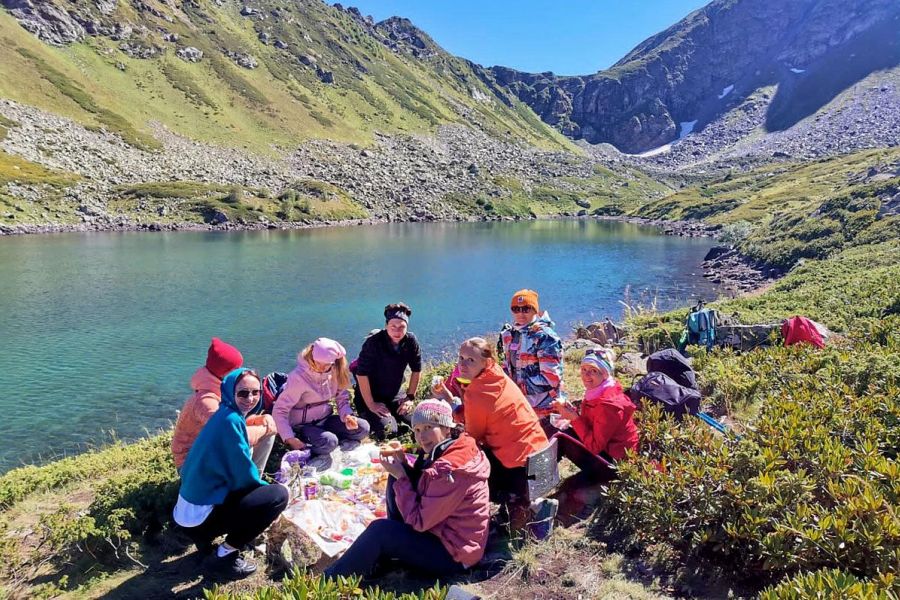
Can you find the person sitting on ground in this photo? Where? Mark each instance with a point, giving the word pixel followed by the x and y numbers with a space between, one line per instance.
pixel 438 509
pixel 604 427
pixel 379 373
pixel 303 412
pixel 532 352
pixel 497 415
pixel 221 358
pixel 221 490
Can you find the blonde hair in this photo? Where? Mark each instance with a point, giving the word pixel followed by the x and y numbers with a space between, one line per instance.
pixel 484 347
pixel 340 372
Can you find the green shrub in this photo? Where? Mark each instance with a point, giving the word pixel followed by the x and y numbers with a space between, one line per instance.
pixel 734 233
pixel 830 583
pixel 300 585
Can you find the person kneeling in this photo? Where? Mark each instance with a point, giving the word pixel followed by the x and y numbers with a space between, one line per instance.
pixel 303 413
pixel 221 491
pixel 604 430
pixel 438 509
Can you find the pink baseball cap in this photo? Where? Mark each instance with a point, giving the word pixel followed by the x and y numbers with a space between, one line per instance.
pixel 326 351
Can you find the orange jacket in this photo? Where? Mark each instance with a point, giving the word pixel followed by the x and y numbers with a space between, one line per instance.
pixel 498 416
pixel 197 411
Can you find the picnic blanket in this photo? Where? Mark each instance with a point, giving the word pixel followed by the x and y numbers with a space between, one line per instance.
pixel 349 496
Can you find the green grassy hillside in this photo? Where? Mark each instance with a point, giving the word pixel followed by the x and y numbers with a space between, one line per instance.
pixel 284 100
pixel 780 214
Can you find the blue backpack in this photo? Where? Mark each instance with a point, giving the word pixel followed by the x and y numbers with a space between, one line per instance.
pixel 701 326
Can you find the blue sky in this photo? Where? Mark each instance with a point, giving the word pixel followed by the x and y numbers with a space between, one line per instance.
pixel 568 37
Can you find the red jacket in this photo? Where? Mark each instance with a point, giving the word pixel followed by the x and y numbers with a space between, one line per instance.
pixel 606 423
pixel 499 417
pixel 451 500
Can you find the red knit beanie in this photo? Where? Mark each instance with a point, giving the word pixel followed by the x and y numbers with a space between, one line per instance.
pixel 222 358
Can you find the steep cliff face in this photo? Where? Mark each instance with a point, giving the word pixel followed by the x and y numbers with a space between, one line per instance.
pixel 688 75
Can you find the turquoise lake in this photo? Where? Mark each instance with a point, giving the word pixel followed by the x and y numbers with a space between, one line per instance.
pixel 100 332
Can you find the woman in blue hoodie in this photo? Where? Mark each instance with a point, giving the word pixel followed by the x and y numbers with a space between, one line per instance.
pixel 221 491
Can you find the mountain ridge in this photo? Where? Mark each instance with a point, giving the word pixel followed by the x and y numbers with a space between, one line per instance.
pixel 692 70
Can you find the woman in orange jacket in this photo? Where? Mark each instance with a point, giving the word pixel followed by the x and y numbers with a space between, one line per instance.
pixel 499 417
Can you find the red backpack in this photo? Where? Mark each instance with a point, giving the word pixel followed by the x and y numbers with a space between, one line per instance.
pixel 800 330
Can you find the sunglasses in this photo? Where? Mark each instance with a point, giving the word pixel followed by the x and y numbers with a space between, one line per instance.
pixel 247 393
pixel 521 309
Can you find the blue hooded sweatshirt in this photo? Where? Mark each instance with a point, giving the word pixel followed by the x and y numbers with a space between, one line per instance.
pixel 220 461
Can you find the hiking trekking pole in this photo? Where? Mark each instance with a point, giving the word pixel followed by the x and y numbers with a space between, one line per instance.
pixel 709 420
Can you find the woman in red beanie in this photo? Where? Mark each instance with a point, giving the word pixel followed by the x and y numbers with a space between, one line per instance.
pixel 221 359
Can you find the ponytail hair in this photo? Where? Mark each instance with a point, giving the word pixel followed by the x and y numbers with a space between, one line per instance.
pixel 340 371
pixel 485 348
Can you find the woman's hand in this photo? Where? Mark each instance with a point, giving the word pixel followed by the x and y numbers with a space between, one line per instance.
pixel 294 444
pixel 351 423
pixel 379 409
pixel 264 420
pixel 440 390
pixel 562 408
pixel 392 459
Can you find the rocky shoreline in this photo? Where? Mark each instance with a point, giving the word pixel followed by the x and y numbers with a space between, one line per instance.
pixel 724 266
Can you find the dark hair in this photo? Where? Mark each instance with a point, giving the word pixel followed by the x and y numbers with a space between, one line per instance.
pixel 397 307
pixel 246 373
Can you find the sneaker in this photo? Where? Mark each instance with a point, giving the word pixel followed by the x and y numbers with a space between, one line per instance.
pixel 544 511
pixel 233 566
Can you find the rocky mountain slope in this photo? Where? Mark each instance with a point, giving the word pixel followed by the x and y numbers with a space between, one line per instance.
pixel 129 114
pixel 244 74
pixel 123 114
pixel 744 70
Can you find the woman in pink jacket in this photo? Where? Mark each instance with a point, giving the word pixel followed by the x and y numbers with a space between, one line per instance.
pixel 438 509
pixel 303 412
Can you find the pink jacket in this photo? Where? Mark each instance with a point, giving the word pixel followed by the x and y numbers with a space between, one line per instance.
pixel 451 500
pixel 306 398
pixel 197 411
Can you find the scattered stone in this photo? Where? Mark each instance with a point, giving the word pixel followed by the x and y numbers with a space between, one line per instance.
pixel 325 76
pixel 242 60
pixel 140 50
pixel 189 54
pixel 281 45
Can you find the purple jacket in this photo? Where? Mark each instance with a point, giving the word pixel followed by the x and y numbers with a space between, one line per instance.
pixel 451 500
pixel 306 398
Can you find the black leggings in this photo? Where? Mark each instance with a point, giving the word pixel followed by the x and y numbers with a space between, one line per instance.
pixel 507 485
pixel 242 516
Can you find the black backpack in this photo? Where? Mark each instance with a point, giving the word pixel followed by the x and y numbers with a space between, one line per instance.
pixel 673 364
pixel 665 391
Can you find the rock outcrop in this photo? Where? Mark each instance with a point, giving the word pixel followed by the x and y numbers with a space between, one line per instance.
pixel 685 77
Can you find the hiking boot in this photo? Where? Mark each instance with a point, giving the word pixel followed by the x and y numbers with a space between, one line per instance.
pixel 233 566
pixel 544 510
